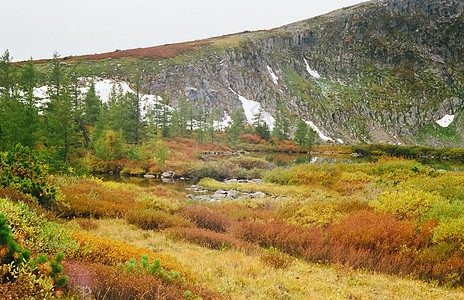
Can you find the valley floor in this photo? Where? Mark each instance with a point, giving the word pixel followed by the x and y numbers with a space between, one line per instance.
pixel 240 275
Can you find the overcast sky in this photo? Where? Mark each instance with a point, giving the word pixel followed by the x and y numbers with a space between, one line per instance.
pixel 37 28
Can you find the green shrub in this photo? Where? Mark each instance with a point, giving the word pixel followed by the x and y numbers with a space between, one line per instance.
pixel 40 234
pixel 21 168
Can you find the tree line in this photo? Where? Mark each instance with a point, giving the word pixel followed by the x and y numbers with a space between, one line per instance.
pixel 70 121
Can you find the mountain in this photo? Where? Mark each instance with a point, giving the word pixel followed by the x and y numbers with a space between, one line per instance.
pixel 381 71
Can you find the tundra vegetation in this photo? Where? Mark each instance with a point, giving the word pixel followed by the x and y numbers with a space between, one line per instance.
pixel 389 228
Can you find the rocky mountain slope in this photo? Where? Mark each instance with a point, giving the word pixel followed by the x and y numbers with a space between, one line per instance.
pixel 380 71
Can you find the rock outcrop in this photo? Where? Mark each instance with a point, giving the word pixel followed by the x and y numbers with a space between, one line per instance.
pixel 381 71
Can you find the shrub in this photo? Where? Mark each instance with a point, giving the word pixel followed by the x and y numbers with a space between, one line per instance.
pixel 370 231
pixel 39 235
pixel 30 278
pixel 249 162
pixel 107 282
pixel 410 203
pixel 149 219
pixel 320 208
pixel 450 231
pixel 89 198
pixel 207 219
pixel 309 242
pixel 276 259
pixel 207 238
pixel 87 224
pixel 449 185
pixel 20 167
pixel 95 249
pixel 253 139
pixel 158 203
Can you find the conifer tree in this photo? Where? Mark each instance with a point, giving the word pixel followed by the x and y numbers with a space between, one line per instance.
pixel 60 124
pixel 234 132
pixel 28 82
pixel 260 126
pixel 282 125
pixel 92 105
pixel 301 133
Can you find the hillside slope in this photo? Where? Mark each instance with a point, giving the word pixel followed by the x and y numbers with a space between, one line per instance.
pixel 380 71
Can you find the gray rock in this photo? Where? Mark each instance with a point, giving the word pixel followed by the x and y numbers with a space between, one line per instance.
pixel 168 174
pixel 230 181
pixel 233 193
pixel 257 181
pixel 258 195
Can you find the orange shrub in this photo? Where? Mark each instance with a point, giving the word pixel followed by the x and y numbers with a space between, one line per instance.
pixel 87 224
pixel 371 231
pixel 205 218
pixel 253 139
pixel 308 242
pixel 90 199
pixel 207 238
pixel 284 145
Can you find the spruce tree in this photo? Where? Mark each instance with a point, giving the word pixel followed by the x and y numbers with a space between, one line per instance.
pixel 282 125
pixel 28 81
pixel 301 133
pixel 60 124
pixel 234 132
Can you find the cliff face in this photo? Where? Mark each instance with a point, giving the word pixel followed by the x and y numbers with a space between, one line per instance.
pixel 381 71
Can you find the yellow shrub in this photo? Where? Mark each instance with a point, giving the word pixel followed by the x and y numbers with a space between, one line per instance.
pixel 102 250
pixel 356 176
pixel 407 203
pixel 450 231
pixel 159 203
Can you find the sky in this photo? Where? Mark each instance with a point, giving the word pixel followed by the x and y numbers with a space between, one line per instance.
pixel 38 28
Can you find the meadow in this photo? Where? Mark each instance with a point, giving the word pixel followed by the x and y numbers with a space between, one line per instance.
pixel 388 229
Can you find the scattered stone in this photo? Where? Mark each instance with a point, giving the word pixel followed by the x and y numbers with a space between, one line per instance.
pixel 258 195
pixel 168 174
pixel 149 176
pixel 257 181
pixel 230 181
pixel 233 193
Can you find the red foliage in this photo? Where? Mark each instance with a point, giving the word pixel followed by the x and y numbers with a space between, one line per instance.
pixel 309 242
pixel 208 238
pixel 284 145
pixel 207 219
pixel 366 230
pixel 253 139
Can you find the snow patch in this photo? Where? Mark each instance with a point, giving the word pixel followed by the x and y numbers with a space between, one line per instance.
pixel 311 72
pixel 224 123
pixel 273 75
pixel 319 132
pixel 340 141
pixel 251 108
pixel 446 120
